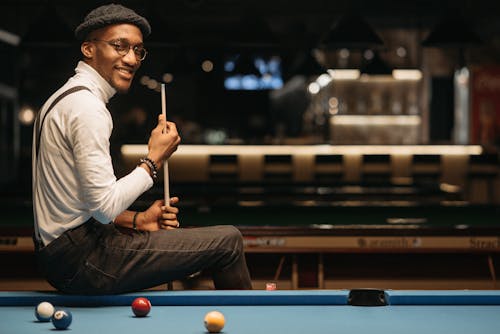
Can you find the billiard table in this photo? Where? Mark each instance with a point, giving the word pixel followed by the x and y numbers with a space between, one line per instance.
pixel 260 311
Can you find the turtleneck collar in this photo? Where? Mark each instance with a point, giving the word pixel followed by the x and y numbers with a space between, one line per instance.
pixel 96 83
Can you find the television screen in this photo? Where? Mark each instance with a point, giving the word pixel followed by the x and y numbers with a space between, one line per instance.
pixel 252 73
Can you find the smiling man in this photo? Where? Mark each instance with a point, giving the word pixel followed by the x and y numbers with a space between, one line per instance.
pixel 86 241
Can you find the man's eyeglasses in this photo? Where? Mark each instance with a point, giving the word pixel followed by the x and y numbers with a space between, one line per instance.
pixel 123 47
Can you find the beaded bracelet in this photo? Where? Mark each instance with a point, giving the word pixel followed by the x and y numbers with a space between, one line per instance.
pixel 152 166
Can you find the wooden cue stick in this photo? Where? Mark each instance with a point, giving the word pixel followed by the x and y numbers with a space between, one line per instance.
pixel 166 186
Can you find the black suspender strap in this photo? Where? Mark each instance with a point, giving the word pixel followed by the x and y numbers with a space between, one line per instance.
pixel 39 127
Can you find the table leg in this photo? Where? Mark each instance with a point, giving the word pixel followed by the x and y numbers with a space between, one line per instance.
pixel 321 272
pixel 492 271
pixel 279 269
pixel 295 273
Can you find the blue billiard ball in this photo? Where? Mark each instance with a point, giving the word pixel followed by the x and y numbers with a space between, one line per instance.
pixel 62 319
pixel 44 311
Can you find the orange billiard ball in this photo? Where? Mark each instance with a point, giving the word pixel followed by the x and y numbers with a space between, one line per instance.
pixel 214 321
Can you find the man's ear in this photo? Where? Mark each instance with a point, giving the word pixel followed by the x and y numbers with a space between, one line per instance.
pixel 88 49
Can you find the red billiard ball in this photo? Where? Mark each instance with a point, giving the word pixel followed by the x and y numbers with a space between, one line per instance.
pixel 141 306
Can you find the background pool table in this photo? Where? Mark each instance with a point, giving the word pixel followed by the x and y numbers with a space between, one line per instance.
pixel 250 312
pixel 323 246
pixel 308 223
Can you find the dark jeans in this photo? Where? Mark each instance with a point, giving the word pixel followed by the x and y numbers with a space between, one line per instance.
pixel 97 258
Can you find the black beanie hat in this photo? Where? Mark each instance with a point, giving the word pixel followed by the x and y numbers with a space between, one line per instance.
pixel 108 15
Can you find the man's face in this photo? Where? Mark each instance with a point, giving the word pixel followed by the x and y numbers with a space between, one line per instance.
pixel 101 53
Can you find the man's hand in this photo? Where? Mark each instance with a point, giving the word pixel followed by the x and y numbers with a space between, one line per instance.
pixel 159 216
pixel 162 144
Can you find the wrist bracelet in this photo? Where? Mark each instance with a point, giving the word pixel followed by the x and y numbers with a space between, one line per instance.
pixel 152 166
pixel 134 223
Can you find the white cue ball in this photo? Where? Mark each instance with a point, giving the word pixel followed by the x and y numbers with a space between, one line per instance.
pixel 44 311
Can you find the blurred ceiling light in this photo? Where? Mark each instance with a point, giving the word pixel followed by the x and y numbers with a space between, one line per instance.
pixel 9 37
pixel 7 92
pixel 144 80
pixel 167 77
pixel 333 102
pixel 351 32
pixel 27 115
pixel 152 84
pixel 368 54
pixel 313 88
pixel 207 66
pixel 344 53
pixel 344 74
pixel 401 52
pixel 192 150
pixel 323 80
pixel 412 75
pixel 381 120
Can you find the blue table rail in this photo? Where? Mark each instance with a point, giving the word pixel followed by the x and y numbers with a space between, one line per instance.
pixel 250 312
pixel 255 297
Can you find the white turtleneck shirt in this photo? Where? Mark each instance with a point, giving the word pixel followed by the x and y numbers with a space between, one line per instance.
pixel 73 177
